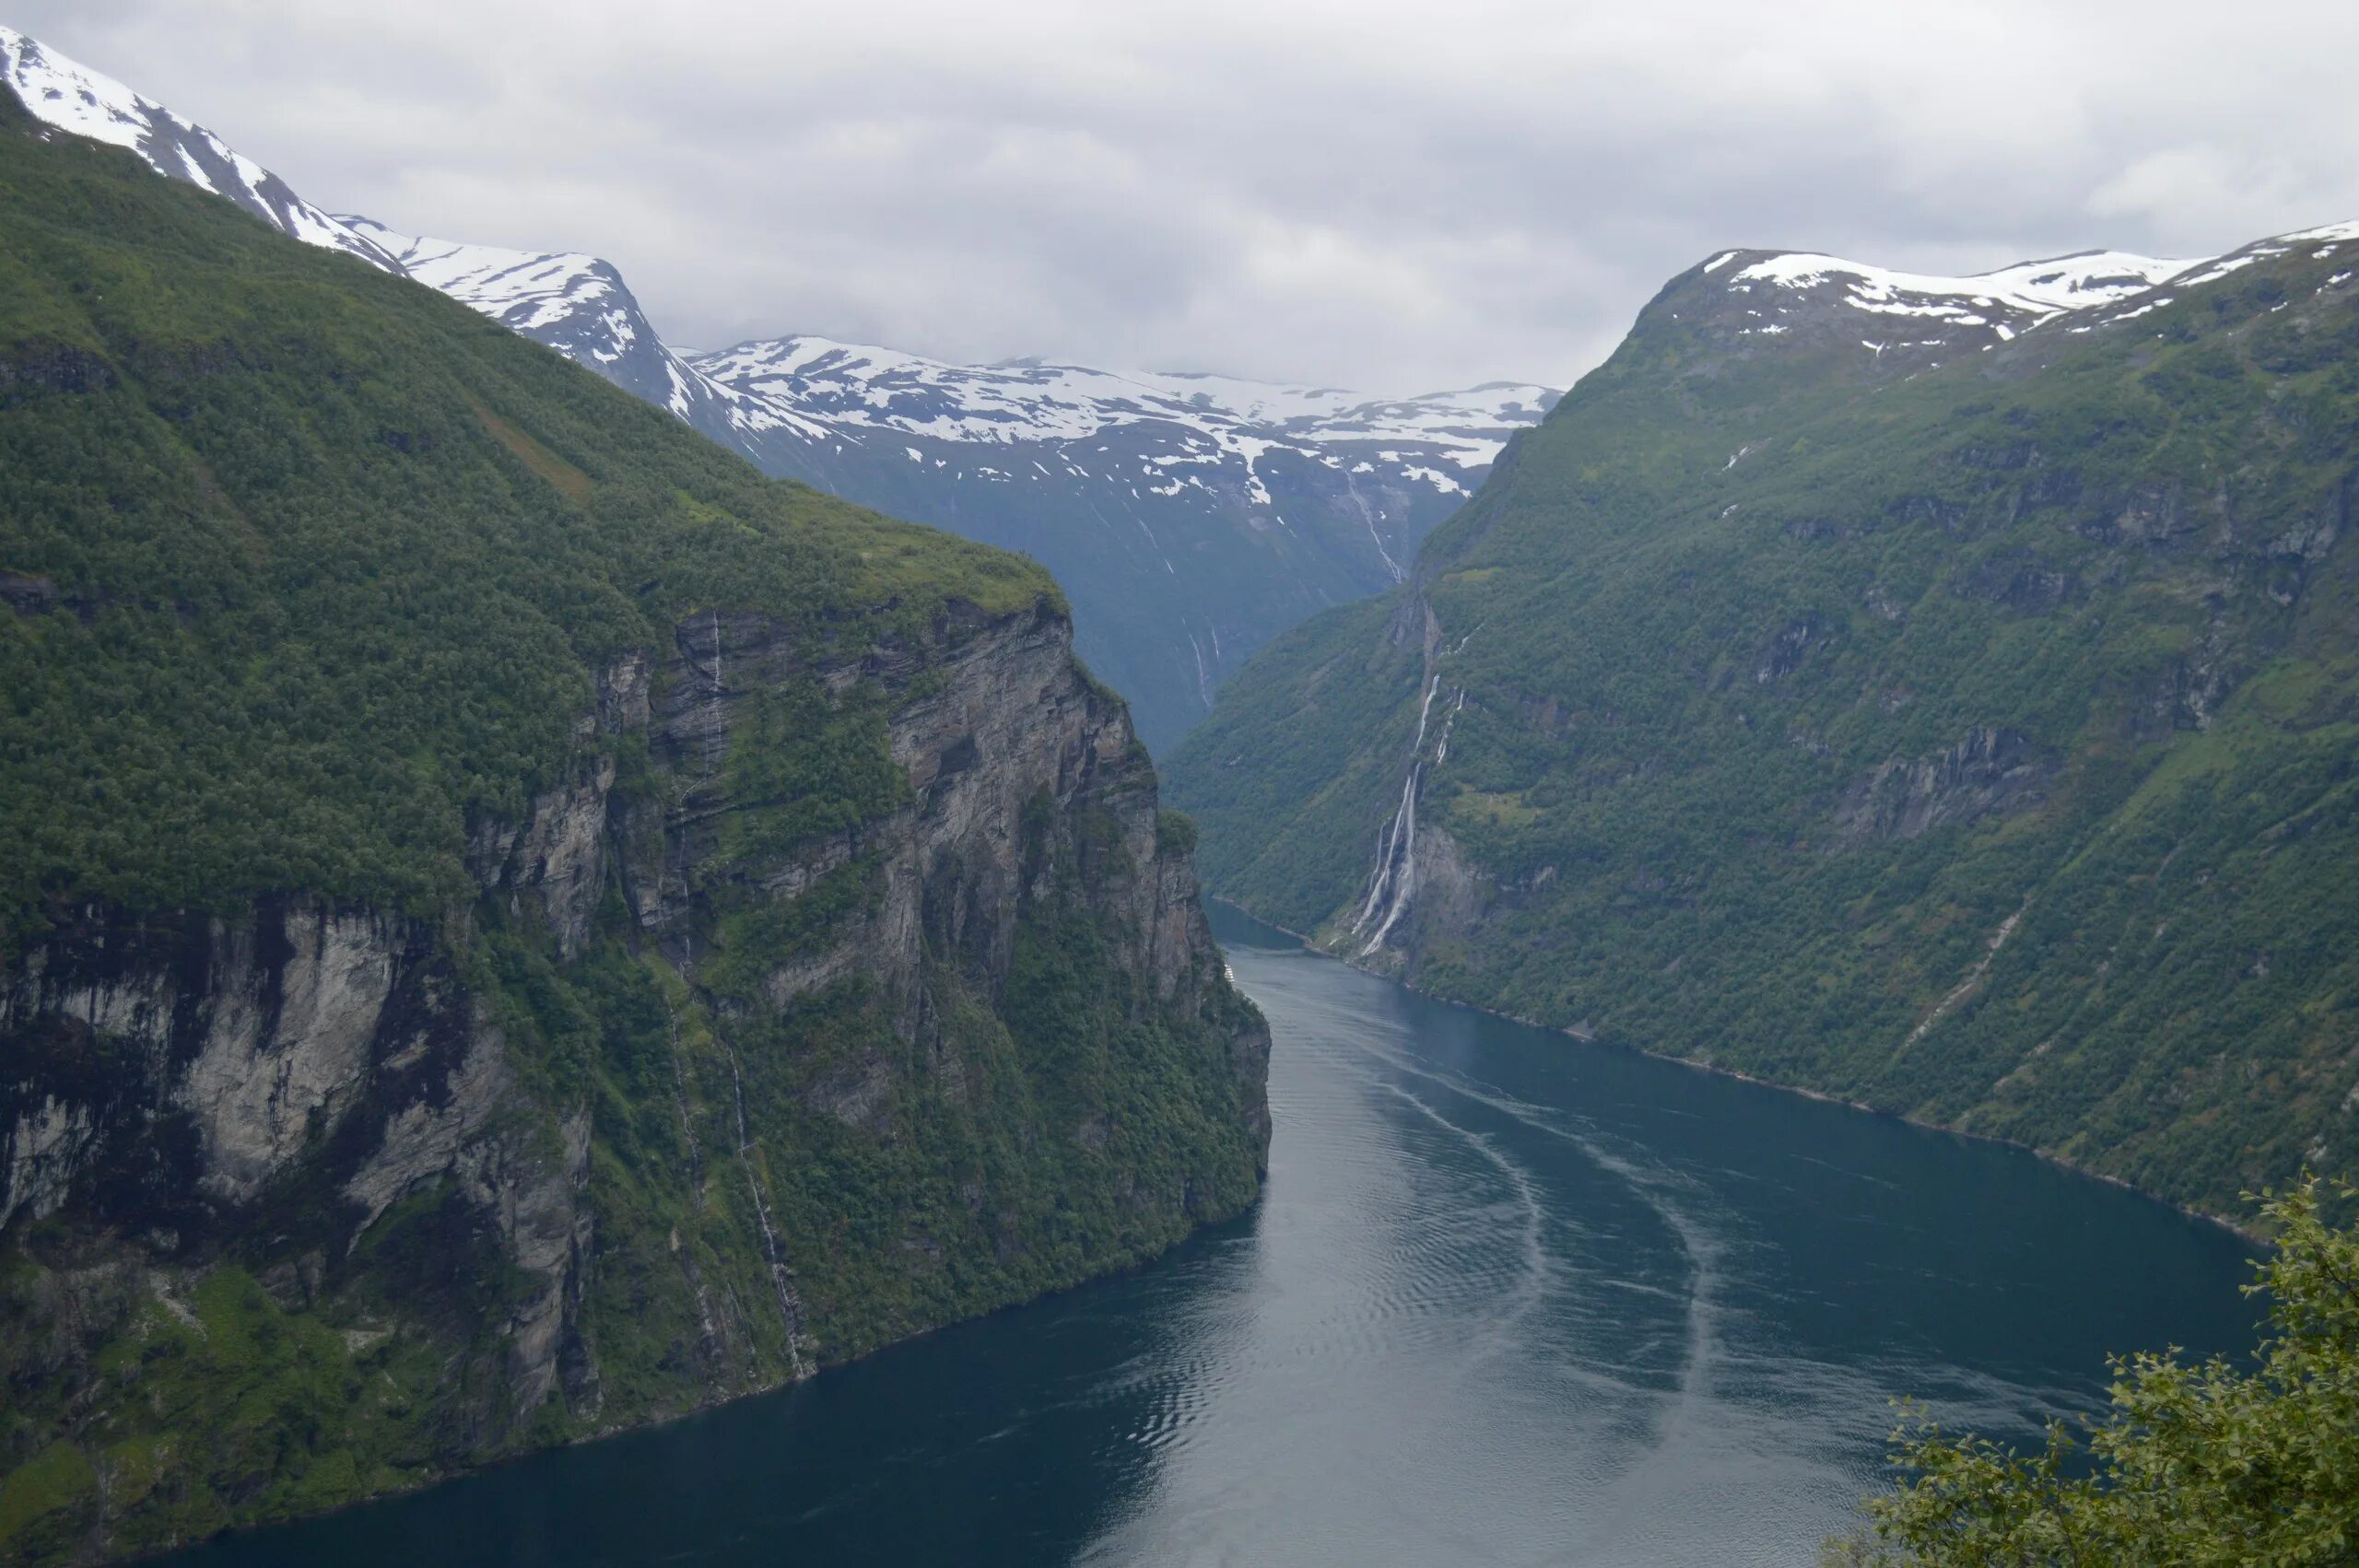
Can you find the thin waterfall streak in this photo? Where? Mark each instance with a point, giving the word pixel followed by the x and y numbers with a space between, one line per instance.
pixel 790 1306
pixel 1367 516
pixel 705 760
pixel 1425 709
pixel 1404 881
pixel 1449 722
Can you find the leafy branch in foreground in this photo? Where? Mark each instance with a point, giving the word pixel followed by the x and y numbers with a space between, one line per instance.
pixel 2194 1465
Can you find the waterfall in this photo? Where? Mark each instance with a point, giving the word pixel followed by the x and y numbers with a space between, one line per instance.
pixel 1387 845
pixel 1392 882
pixel 1441 751
pixel 1424 712
pixel 1399 873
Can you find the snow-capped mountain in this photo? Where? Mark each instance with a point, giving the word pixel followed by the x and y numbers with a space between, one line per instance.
pixel 856 387
pixel 77 99
pixel 2322 243
pixel 1190 518
pixel 1873 323
pixel 1290 456
pixel 578 305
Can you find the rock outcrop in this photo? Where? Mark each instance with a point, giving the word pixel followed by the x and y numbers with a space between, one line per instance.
pixel 1991 771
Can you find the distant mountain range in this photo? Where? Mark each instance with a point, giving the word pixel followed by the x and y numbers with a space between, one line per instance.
pixel 1189 517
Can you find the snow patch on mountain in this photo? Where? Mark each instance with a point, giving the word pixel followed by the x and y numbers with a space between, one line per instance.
pixel 524 289
pixel 858 386
pixel 2325 240
pixel 2084 292
pixel 2037 290
pixel 574 303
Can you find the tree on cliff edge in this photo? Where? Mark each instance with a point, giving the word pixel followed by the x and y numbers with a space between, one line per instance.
pixel 2194 1465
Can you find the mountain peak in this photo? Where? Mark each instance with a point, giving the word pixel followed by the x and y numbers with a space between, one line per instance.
pixel 72 98
pixel 528 291
pixel 1888 309
pixel 1887 320
pixel 2325 238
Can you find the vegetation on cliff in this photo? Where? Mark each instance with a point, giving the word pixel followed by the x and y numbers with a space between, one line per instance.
pixel 1976 741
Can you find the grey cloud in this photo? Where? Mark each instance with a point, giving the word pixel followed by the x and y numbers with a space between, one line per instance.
pixel 1388 196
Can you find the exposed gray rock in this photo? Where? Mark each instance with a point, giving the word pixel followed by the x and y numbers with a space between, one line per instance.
pixel 1991 771
pixel 562 855
pixel 43 1149
pixel 1452 894
pixel 289 1043
pixel 253 1036
pixel 1007 717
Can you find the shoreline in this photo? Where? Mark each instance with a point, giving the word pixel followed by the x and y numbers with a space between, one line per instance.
pixel 1589 1036
pixel 612 1432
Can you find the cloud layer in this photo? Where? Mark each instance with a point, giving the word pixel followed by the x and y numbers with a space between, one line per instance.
pixel 1378 194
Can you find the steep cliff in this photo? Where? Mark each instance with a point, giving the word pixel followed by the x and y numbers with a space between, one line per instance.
pixel 514 925
pixel 1935 692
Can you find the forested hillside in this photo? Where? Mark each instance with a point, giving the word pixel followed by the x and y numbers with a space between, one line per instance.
pixel 1947 710
pixel 513 924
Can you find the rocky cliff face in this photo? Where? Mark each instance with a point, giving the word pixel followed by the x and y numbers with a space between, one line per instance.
pixel 512 924
pixel 667 1116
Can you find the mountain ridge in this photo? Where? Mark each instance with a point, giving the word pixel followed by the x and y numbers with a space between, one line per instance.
pixel 1967 736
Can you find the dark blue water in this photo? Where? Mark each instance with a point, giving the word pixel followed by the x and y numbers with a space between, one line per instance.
pixel 1510 1299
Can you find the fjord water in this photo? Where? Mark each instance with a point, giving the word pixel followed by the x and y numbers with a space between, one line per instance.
pixel 1510 1299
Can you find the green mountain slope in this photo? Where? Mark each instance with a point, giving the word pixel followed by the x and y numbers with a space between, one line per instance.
pixel 1979 740
pixel 513 924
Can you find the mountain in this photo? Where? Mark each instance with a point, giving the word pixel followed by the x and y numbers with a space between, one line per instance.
pixel 512 924
pixel 1191 518
pixel 1940 693
pixel 77 99
pixel 576 304
pixel 1915 319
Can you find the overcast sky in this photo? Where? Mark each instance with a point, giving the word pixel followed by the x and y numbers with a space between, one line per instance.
pixel 1391 196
